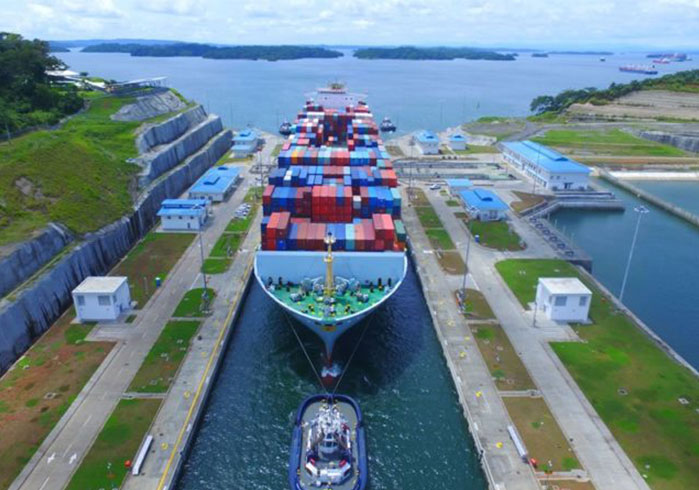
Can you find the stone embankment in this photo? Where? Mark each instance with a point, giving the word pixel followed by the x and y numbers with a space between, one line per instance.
pixel 683 141
pixel 37 303
pixel 651 198
pixel 162 101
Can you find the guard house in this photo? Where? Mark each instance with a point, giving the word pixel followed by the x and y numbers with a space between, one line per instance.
pixel 100 298
pixel 427 142
pixel 457 142
pixel 216 184
pixel 183 214
pixel 549 169
pixel 563 299
pixel 458 185
pixel 483 205
pixel 245 143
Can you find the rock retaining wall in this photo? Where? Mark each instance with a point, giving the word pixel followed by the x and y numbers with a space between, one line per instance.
pixel 687 142
pixel 40 303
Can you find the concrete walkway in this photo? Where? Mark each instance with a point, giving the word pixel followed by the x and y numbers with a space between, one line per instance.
pixel 599 453
pixel 60 454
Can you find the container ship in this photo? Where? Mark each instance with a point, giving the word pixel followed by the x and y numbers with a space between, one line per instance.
pixel 646 70
pixel 333 243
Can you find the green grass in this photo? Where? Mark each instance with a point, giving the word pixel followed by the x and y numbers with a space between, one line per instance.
pixel 227 242
pixel 240 225
pixel 164 359
pixel 78 174
pixel 477 306
pixel 428 217
pixel 471 149
pixel 216 265
pixel 118 442
pixel 503 362
pixel 607 142
pixel 75 334
pixel 152 257
pixel 496 234
pixel 193 304
pixel 453 203
pixel 440 239
pixel 649 422
pixel 277 149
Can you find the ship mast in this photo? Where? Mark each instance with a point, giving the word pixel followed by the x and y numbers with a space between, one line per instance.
pixel 329 286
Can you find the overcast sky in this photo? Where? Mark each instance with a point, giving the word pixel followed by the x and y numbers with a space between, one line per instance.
pixel 515 23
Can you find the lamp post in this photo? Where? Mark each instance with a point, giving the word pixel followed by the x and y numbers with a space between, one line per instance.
pixel 468 249
pixel 640 210
pixel 205 295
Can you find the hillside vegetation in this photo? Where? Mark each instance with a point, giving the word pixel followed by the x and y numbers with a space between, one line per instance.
pixel 269 53
pixel 441 53
pixel 684 81
pixel 76 175
pixel 26 97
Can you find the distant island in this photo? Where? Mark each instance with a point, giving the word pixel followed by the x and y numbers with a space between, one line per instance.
pixel 591 53
pixel 442 53
pixel 269 53
pixel 58 48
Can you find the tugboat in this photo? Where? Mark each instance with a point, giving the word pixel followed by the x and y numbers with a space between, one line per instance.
pixel 285 128
pixel 328 448
pixel 387 125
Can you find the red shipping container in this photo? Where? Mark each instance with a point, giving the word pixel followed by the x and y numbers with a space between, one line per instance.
pixel 267 195
pixel 358 237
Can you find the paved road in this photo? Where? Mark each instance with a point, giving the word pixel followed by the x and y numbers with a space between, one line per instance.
pixel 60 454
pixel 599 453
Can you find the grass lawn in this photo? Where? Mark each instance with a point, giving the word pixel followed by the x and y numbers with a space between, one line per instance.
pixel 526 201
pixel 152 257
pixel 428 217
pixel 471 149
pixel 240 225
pixel 216 265
pixel 164 359
pixel 440 239
pixel 496 234
pixel 193 304
pixel 88 182
pixel 60 362
pixel 606 142
pixel 419 198
pixel 477 306
pixel 502 360
pixel 550 484
pixel 634 386
pixel 277 149
pixel 226 245
pixel 117 443
pixel 541 434
pixel 451 262
pixel 453 203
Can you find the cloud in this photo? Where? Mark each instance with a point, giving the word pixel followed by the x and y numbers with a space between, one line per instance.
pixel 173 7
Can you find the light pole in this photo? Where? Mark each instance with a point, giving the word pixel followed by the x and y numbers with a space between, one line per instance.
pixel 641 210
pixel 468 249
pixel 205 295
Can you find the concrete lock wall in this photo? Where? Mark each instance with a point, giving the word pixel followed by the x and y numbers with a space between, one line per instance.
pixel 688 142
pixel 28 257
pixel 41 303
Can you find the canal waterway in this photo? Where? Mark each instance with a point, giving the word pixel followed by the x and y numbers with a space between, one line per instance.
pixel 416 94
pixel 417 435
pixel 663 283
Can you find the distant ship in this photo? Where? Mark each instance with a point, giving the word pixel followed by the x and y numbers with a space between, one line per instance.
pixel 662 61
pixel 333 242
pixel 540 55
pixel 669 56
pixel 645 69
pixel 387 125
pixel 285 128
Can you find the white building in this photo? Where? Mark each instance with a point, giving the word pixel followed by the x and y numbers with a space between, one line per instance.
pixel 563 299
pixel 550 169
pixel 483 204
pixel 216 184
pixel 427 142
pixel 245 143
pixel 457 142
pixel 183 214
pixel 100 298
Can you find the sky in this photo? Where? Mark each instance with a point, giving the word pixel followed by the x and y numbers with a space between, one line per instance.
pixel 548 24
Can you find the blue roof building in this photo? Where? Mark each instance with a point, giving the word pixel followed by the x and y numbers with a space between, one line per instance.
pixel 456 185
pixel 457 142
pixel 183 214
pixel 483 204
pixel 245 142
pixel 549 168
pixel 427 142
pixel 216 184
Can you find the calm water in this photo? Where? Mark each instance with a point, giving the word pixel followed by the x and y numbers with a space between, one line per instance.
pixel 663 283
pixel 416 94
pixel 417 435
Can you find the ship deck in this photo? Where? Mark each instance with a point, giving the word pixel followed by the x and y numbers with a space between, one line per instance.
pixel 313 306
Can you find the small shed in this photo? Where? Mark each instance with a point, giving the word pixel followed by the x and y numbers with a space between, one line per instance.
pixel 427 142
pixel 458 185
pixel 564 299
pixel 457 142
pixel 216 184
pixel 483 205
pixel 184 214
pixel 100 298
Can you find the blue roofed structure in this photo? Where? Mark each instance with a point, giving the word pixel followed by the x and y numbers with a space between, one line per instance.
pixel 457 142
pixel 549 168
pixel 245 142
pixel 216 184
pixel 183 214
pixel 483 204
pixel 427 142
pixel 456 185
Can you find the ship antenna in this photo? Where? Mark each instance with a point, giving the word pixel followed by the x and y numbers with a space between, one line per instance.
pixel 329 287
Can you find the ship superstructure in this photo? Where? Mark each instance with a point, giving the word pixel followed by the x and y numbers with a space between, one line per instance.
pixel 333 243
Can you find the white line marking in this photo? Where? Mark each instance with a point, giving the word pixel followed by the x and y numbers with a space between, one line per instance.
pixel 73 458
pixel 45 482
pixel 51 458
pixel 65 453
pixel 87 420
